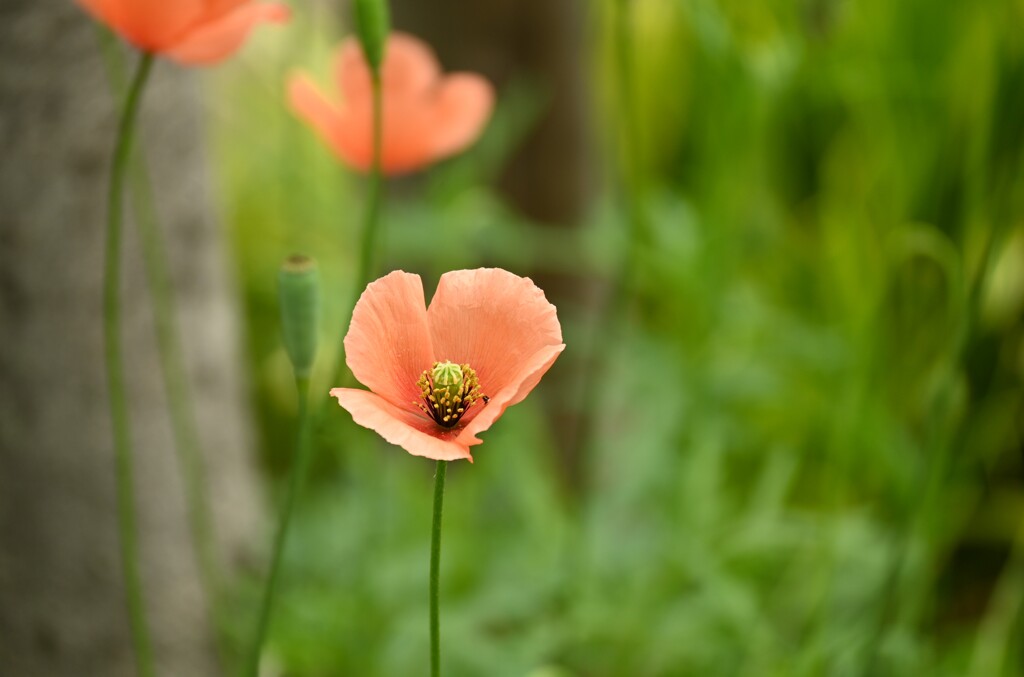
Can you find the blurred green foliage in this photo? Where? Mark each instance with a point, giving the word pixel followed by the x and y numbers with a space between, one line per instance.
pixel 808 453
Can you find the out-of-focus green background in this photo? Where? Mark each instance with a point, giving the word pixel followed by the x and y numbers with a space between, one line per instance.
pixel 802 381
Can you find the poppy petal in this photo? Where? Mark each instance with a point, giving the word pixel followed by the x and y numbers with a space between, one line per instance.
pixel 425 116
pixel 401 427
pixel 498 323
pixel 388 343
pixel 148 24
pixel 463 106
pixel 309 104
pixel 531 372
pixel 212 41
pixel 409 69
pixel 351 72
pixel 405 146
pixel 409 72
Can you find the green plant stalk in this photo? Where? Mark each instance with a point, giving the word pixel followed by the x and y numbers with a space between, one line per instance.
pixel 295 480
pixel 435 568
pixel 624 282
pixel 371 223
pixel 996 642
pixel 115 373
pixel 630 152
pixel 183 424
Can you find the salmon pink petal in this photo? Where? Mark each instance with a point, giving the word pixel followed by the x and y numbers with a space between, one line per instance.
pixel 406 146
pixel 463 106
pixel 410 67
pixel 309 104
pixel 351 72
pixel 353 136
pixel 210 42
pixel 216 8
pixel 500 324
pixel 409 70
pixel 533 369
pixel 388 343
pixel 150 25
pixel 416 434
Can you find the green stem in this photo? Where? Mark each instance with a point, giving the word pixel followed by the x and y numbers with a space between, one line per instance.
pixel 115 373
pixel 609 320
pixel 370 226
pixel 997 643
pixel 172 365
pixel 435 566
pixel 371 223
pixel 183 424
pixel 631 153
pixel 296 478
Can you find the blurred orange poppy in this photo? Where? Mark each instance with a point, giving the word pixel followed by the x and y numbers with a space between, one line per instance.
pixel 427 116
pixel 439 376
pixel 192 32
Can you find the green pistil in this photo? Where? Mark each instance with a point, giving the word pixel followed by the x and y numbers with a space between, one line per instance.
pixel 448 391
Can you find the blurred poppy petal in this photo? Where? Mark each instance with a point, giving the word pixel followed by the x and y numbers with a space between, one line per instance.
pixel 425 116
pixel 150 25
pixel 190 31
pixel 310 105
pixel 211 42
pixel 464 103
pixel 351 74
pixel 410 67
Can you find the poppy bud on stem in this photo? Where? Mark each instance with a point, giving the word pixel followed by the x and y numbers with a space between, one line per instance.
pixel 298 285
pixel 373 23
pixel 299 289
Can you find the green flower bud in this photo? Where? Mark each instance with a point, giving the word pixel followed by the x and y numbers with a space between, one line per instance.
pixel 298 286
pixel 373 23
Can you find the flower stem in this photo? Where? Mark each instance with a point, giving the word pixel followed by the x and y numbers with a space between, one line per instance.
pixel 176 387
pixel 172 365
pixel 435 565
pixel 631 151
pixel 115 373
pixel 371 223
pixel 295 480
pixel 624 282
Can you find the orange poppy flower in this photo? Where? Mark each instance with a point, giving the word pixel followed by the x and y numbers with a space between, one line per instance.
pixel 192 32
pixel 426 116
pixel 440 376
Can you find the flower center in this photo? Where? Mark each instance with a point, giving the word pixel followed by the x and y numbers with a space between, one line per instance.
pixel 448 391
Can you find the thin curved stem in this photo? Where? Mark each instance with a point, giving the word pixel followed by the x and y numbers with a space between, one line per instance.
pixel 295 480
pixel 435 567
pixel 172 364
pixel 115 373
pixel 632 193
pixel 183 423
